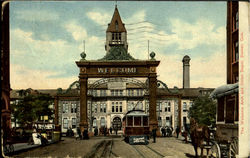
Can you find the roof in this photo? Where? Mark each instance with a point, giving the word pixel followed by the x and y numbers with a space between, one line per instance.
pixel 116 19
pixel 117 53
pixel 225 90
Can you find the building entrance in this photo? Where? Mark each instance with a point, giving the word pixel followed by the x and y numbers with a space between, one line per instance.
pixel 117 123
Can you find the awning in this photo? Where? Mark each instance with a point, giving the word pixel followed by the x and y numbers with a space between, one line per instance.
pixel 225 90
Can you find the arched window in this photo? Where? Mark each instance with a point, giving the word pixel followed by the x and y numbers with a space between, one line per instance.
pixel 159 121
pixel 103 121
pixel 94 122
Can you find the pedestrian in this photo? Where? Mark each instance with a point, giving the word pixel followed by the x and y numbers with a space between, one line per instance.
pixel 177 131
pixel 79 133
pixel 116 129
pixel 105 131
pixel 162 131
pixel 110 129
pixel 154 134
pixel 169 131
pixel 96 131
pixel 85 134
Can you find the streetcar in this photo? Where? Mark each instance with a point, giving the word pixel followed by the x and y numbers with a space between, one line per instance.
pixel 226 143
pixel 136 127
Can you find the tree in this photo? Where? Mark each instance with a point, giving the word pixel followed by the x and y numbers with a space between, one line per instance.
pixel 31 108
pixel 203 111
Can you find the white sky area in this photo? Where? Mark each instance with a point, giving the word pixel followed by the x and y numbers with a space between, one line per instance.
pixel 46 39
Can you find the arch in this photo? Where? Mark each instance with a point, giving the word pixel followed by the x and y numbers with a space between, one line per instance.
pixel 76 83
pixel 120 79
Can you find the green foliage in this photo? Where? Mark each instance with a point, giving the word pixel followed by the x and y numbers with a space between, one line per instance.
pixel 30 109
pixel 203 111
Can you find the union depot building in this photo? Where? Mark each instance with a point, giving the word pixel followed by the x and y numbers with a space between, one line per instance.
pixel 111 86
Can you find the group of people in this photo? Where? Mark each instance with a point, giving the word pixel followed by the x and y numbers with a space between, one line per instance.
pixel 38 138
pixel 82 135
pixel 105 131
pixel 167 131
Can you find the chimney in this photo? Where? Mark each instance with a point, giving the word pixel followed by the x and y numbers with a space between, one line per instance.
pixel 186 77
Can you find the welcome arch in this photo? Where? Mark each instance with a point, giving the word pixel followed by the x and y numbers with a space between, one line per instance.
pixel 117 69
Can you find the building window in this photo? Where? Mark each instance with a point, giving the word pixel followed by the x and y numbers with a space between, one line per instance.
pixel 103 92
pixel 95 108
pixel 102 121
pixel 116 92
pixel 236 51
pixel 138 92
pixel 120 36
pixel 73 122
pixel 101 106
pixel 120 106
pixel 94 92
pixel 236 26
pixel 113 36
pixel 132 92
pixel 167 107
pixel 73 108
pixel 104 107
pixel 65 108
pixel 112 93
pixel 94 122
pixel 113 107
pixel 116 107
pixel 168 123
pixel 121 92
pixel 159 121
pixel 184 106
pixel 65 123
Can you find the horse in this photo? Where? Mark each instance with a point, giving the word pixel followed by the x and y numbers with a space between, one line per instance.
pixel 199 134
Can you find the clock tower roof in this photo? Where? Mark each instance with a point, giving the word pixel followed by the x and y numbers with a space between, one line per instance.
pixel 116 24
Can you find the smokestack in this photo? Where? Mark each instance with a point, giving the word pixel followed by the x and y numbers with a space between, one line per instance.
pixel 186 77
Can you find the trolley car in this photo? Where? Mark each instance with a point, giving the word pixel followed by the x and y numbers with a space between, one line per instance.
pixel 136 127
pixel 225 143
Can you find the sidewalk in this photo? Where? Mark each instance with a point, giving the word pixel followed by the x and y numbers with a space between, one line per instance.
pixel 21 147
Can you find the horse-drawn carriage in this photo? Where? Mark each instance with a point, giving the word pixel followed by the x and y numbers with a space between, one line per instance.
pixel 225 142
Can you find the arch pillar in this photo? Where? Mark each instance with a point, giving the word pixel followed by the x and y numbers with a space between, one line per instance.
pixel 83 103
pixel 152 101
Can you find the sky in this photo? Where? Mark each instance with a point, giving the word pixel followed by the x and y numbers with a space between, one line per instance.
pixel 46 38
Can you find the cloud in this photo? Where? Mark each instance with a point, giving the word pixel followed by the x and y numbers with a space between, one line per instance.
pixel 189 35
pixel 78 32
pixel 23 77
pixel 42 54
pixel 100 18
pixel 31 15
pixel 209 72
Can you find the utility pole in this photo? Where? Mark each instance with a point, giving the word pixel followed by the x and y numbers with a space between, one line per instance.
pixel 148 49
pixel 84 46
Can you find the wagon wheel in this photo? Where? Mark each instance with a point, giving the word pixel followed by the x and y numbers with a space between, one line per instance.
pixel 234 149
pixel 215 151
pixel 11 148
pixel 6 150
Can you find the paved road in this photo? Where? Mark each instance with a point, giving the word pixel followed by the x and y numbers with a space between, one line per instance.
pixel 167 147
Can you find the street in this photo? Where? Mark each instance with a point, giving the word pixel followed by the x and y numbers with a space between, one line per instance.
pixel 112 147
